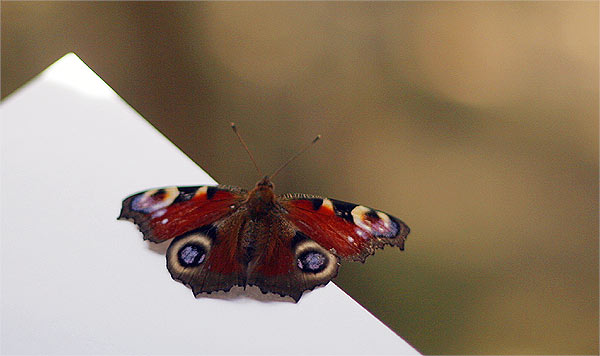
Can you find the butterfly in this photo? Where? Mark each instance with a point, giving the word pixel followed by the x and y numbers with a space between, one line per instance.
pixel 225 236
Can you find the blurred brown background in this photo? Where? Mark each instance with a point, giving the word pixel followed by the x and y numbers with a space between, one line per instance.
pixel 476 123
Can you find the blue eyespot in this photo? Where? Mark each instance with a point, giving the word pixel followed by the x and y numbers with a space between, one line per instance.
pixel 312 262
pixel 191 255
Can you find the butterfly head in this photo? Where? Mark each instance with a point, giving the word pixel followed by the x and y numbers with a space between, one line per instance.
pixel 262 197
pixel 264 183
pixel 263 190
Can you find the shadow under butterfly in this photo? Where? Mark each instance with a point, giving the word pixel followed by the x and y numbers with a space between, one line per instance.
pixel 225 236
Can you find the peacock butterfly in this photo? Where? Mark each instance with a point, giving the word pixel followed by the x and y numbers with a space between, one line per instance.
pixel 224 236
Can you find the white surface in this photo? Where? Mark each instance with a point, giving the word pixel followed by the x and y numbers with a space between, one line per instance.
pixel 77 281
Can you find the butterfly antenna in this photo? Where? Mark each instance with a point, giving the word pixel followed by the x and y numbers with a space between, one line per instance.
pixel 295 156
pixel 234 128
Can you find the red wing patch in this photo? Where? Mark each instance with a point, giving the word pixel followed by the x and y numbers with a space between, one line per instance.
pixel 164 213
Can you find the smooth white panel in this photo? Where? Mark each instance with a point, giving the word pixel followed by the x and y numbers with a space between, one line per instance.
pixel 77 281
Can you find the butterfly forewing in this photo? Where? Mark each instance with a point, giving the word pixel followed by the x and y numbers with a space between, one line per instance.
pixel 164 213
pixel 349 230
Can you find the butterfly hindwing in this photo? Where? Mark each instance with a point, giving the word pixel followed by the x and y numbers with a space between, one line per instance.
pixel 206 260
pixel 237 250
pixel 164 213
pixel 349 230
pixel 290 263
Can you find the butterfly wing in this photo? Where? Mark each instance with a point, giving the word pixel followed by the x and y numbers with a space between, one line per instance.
pixel 349 230
pixel 308 234
pixel 164 213
pixel 206 259
pixel 204 221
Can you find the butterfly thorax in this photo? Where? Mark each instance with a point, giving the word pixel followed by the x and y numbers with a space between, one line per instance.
pixel 261 199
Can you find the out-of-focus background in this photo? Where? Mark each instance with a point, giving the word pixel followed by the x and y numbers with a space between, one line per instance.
pixel 476 123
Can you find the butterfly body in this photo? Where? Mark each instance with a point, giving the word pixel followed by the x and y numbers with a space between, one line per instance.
pixel 225 236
